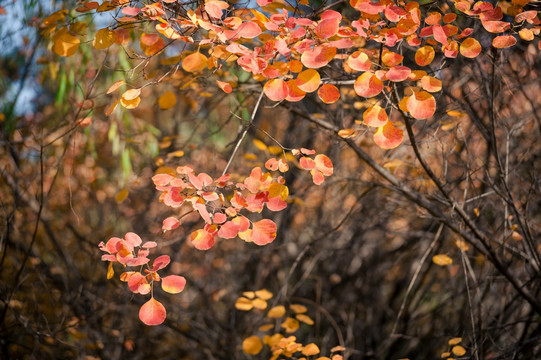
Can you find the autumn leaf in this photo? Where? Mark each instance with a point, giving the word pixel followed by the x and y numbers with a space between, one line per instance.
pixel 173 284
pixel 442 260
pixel 103 38
pixel 252 345
pixel 194 62
pixel 152 313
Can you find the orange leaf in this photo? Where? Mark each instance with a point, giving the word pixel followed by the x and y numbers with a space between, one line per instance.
pixel 328 93
pixel 225 86
pixel 442 260
pixel 504 41
pixel 421 105
pixel 470 48
pixel 324 164
pixel 375 116
pixel 398 73
pixel 308 80
pixel 318 57
pixel 431 84
pixel 202 239
pixel 115 86
pixel 252 345
pixel 359 61
pixel 103 38
pixel 167 100
pixel 152 313
pixel 195 62
pixel 131 94
pixel 276 89
pixel 173 284
pixel 388 136
pixel 294 94
pixel 368 85
pixel 424 55
pixel 263 232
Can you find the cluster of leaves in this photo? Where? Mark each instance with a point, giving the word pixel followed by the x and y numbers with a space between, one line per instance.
pixel 291 52
pixel 278 317
pixel 220 202
pixel 131 251
pixel 455 349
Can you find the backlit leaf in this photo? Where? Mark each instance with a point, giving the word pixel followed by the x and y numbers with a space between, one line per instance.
pixel 167 100
pixel 115 86
pixel 263 232
pixel 170 223
pixel 375 116
pixel 152 313
pixel 421 105
pixel 318 57
pixel 305 319
pixel 388 136
pixel 263 294
pixel 328 93
pixel 308 80
pixel 430 83
pixel 195 62
pixel 424 55
pixel 290 325
pixel 65 44
pixel 252 345
pixel 259 304
pixel 398 73
pixel 103 38
pixel 244 304
pixel 275 312
pixel 310 349
pixel 368 85
pixel 458 350
pixel 470 48
pixel 202 239
pixel 173 284
pixel 442 260
pixel 298 308
pixel 225 86
pixel 276 89
pixel 504 41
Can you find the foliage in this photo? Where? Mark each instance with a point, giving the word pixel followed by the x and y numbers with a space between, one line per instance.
pixel 424 226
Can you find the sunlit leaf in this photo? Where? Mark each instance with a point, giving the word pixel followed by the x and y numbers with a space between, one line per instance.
pixel 225 86
pixel 276 312
pixel 310 349
pixel 167 100
pixel 424 55
pixel 308 80
pixel 263 232
pixel 263 294
pixel 244 304
pixel 368 85
pixel 252 345
pixel 173 284
pixel 375 116
pixel 152 313
pixel 202 239
pixel 276 89
pixel 259 304
pixel 504 41
pixel 305 319
pixel 65 44
pixel 442 260
pixel 430 84
pixel 458 350
pixel 388 136
pixel 170 223
pixel 421 105
pixel 455 341
pixel 110 271
pixel 103 38
pixel 328 93
pixel 298 308
pixel 290 325
pixel 470 48
pixel 318 57
pixel 195 62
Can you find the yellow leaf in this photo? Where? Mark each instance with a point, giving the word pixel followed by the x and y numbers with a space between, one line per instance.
pixel 338 348
pixel 263 294
pixel 310 349
pixel 346 133
pixel 462 245
pixel 275 150
pixel 115 86
pixel 455 341
pixel 130 104
pixel 442 260
pixel 305 319
pixel 290 325
pixel 244 304
pixel 121 196
pixel 259 304
pixel 167 100
pixel 458 350
pixel 445 355
pixel 194 62
pixel 103 38
pixel 260 144
pixel 65 44
pixel 131 94
pixel 110 271
pixel 266 327
pixel 249 294
pixel 252 345
pixel 298 309
pixel 277 311
pixel 178 153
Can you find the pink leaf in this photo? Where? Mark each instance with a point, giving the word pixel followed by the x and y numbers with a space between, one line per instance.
pixel 202 239
pixel 162 179
pixel 152 313
pixel 138 284
pixel 170 223
pixel 160 262
pixel 133 239
pixel 173 284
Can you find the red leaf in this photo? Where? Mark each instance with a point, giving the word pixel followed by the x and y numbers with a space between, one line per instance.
pixel 225 86
pixel 173 284
pixel 152 313
pixel 138 284
pixel 307 163
pixel 328 93
pixel 324 164
pixel 317 176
